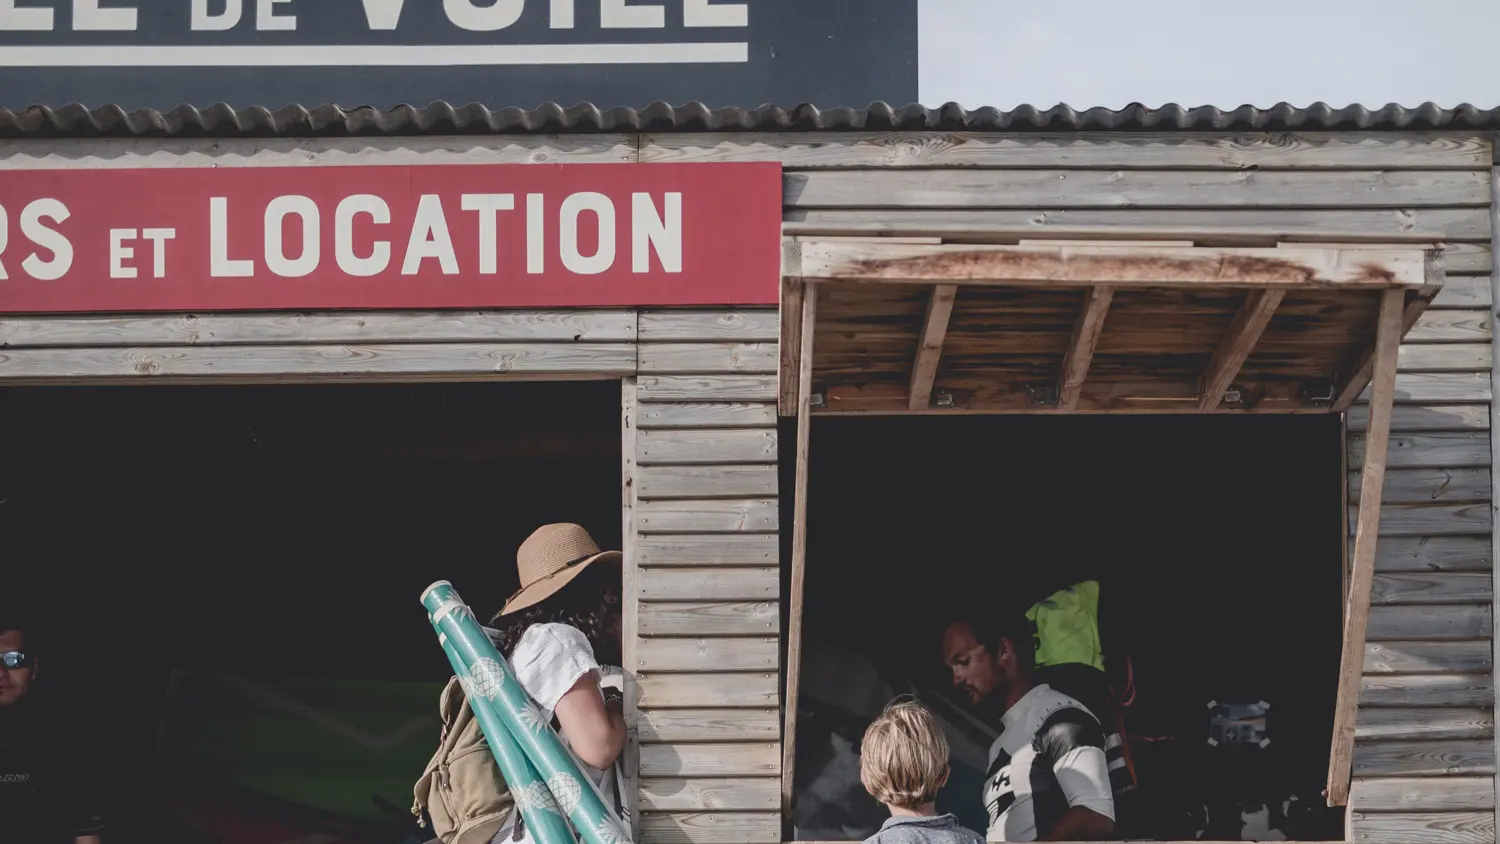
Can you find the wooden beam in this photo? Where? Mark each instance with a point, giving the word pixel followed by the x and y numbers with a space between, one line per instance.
pixel 1360 378
pixel 930 347
pixel 1117 264
pixel 791 326
pixel 1075 366
pixel 1239 340
pixel 1362 572
pixel 799 552
pixel 631 601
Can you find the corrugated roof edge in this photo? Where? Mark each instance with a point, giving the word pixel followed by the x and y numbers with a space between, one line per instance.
pixel 220 120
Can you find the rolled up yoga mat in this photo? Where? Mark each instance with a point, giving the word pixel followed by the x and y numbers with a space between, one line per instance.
pixel 507 715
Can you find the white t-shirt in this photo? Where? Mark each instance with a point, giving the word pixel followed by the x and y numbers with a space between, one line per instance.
pixel 548 660
pixel 1048 758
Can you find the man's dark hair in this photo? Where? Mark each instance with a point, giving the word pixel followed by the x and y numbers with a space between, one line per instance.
pixel 992 624
pixel 17 621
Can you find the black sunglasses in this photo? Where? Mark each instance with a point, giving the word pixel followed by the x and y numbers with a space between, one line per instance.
pixel 15 660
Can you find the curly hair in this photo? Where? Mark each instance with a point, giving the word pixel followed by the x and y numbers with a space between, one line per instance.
pixel 580 604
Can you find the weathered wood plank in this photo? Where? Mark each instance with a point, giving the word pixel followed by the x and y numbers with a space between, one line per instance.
pixel 709 550
pixel 1426 724
pixel 1423 759
pixel 707 481
pixel 710 415
pixel 1460 621
pixel 357 327
pixel 1418 794
pixel 1447 449
pixel 1464 291
pixel 709 357
pixel 630 603
pixel 1020 266
pixel 711 828
pixel 710 760
pixel 1425 827
pixel 1238 342
pixel 707 691
pixel 793 293
pixel 1416 486
pixel 1460 587
pixel 1472 656
pixel 930 344
pixel 1431 519
pixel 707 447
pixel 282 363
pixel 705 388
pixel 1427 387
pixel 1081 345
pixel 681 325
pixel 707 516
pixel 1434 326
pixel 1426 690
pixel 1434 553
pixel 1415 417
pixel 810 150
pixel 691 725
pixel 993 189
pixel 760 794
pixel 1467 258
pixel 727 584
pixel 708 655
pixel 711 619
pixel 1273 225
pixel 1445 357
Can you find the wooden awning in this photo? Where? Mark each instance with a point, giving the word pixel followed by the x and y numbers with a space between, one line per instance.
pixel 1171 322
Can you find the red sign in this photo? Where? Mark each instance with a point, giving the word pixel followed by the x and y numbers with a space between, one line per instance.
pixel 434 236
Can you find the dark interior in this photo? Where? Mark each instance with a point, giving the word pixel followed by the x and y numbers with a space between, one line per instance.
pixel 227 580
pixel 1217 544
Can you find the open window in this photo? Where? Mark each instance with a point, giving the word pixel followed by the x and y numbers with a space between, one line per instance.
pixel 1196 477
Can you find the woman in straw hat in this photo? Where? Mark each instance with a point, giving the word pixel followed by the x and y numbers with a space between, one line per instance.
pixel 561 633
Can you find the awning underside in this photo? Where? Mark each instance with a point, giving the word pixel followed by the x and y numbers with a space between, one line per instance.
pixel 1090 327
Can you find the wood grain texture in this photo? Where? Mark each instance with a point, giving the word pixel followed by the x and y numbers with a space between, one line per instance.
pixel 793 291
pixel 1434 553
pixel 707 516
pixel 994 189
pixel 1474 656
pixel 1445 357
pixel 1435 450
pixel 1417 794
pixel 708 550
pixel 711 828
pixel 708 691
pixel 707 655
pixel 1433 519
pixel 1424 759
pixel 1467 259
pixel 1415 417
pixel 707 388
pixel 761 794
pixel 1460 621
pixel 1081 345
pixel 707 481
pixel 1427 387
pixel 711 725
pixel 708 415
pixel 681 325
pixel 711 619
pixel 629 603
pixel 726 584
pixel 708 357
pixel 1426 690
pixel 1466 587
pixel 1425 827
pixel 930 344
pixel 1464 291
pixel 706 447
pixel 710 760
pixel 1239 341
pixel 1416 486
pixel 1427 724
pixel 815 150
pixel 1463 326
pixel 457 360
pixel 334 328
pixel 797 572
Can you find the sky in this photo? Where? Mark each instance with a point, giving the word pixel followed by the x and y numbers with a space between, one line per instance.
pixel 1110 53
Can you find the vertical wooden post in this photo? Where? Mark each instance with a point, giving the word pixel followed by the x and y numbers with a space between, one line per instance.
pixel 799 551
pixel 629 598
pixel 1367 527
pixel 1494 440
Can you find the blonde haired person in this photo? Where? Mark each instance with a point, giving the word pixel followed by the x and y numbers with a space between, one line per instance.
pixel 903 762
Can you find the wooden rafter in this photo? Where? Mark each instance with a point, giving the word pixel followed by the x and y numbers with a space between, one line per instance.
pixel 808 318
pixel 1367 527
pixel 930 346
pixel 1239 340
pixel 1081 344
pixel 791 326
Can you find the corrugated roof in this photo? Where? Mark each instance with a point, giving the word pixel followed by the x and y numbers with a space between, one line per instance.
pixel 76 121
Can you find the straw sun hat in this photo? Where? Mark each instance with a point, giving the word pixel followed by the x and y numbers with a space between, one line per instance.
pixel 549 559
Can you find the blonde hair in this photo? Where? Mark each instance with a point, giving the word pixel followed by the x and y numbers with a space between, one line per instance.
pixel 903 760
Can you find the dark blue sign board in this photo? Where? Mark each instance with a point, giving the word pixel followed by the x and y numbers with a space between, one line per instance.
pixel 384 53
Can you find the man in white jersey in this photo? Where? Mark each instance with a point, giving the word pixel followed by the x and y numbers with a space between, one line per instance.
pixel 1047 778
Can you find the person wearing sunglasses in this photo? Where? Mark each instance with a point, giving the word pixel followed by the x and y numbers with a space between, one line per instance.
pixel 38 799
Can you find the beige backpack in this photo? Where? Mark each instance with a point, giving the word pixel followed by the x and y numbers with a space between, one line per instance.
pixel 461 789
